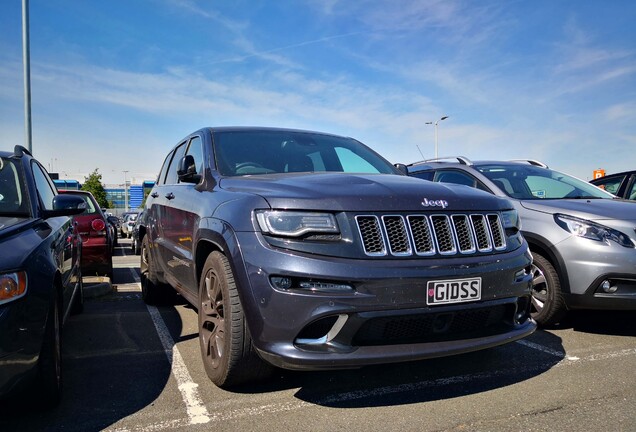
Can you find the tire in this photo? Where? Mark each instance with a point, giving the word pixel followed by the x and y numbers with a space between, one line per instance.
pixel 49 379
pixel 229 357
pixel 78 302
pixel 548 305
pixel 137 247
pixel 152 291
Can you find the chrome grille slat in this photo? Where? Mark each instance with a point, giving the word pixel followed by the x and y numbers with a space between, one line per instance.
pixel 429 235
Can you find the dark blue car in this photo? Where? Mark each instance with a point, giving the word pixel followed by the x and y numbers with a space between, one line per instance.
pixel 40 276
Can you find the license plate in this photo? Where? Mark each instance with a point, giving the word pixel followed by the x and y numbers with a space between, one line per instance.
pixel 453 291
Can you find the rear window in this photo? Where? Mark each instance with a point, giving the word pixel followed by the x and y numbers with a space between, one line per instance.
pixel 91 207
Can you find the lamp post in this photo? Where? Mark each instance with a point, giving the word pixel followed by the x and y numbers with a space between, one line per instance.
pixel 26 59
pixel 436 122
pixel 125 192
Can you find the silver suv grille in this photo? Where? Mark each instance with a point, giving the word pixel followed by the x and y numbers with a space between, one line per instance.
pixel 427 235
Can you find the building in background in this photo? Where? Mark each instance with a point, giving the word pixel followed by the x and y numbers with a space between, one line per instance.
pixel 67 184
pixel 115 194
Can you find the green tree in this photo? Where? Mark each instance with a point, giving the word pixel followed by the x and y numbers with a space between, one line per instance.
pixel 93 184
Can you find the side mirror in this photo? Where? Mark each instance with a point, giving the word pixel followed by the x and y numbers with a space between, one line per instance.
pixel 114 220
pixel 187 170
pixel 66 205
pixel 402 168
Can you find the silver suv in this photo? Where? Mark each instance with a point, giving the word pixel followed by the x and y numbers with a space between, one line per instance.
pixel 583 239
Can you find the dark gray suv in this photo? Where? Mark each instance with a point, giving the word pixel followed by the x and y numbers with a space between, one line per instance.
pixel 306 250
pixel 582 238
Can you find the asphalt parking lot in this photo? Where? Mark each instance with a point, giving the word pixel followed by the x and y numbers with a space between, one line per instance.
pixel 132 367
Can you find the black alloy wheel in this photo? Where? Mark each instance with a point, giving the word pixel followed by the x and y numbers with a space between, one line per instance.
pixel 228 354
pixel 548 306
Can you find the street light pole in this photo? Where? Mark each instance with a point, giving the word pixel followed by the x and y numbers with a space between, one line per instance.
pixel 436 122
pixel 26 59
pixel 125 192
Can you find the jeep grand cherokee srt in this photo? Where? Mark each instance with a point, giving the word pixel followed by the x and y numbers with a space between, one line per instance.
pixel 306 250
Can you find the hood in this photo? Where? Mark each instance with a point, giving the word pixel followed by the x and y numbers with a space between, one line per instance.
pixel 590 209
pixel 8 224
pixel 362 192
pixel 18 236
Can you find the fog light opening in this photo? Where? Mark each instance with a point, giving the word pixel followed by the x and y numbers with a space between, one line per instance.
pixel 522 312
pixel 283 283
pixel 607 286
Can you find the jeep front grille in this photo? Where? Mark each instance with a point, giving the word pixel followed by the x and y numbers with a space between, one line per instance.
pixel 427 235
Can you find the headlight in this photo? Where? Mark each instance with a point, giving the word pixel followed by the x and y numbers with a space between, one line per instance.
pixel 510 219
pixel 12 286
pixel 295 224
pixel 592 230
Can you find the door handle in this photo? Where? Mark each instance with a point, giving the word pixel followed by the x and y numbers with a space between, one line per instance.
pixel 170 195
pixel 154 194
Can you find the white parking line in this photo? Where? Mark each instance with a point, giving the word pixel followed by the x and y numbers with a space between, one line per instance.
pixel 546 350
pixel 197 412
pixel 383 391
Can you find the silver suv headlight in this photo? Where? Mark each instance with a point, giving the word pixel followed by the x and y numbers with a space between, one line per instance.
pixel 296 223
pixel 592 230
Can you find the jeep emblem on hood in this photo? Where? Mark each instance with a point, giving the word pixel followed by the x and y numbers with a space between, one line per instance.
pixel 435 203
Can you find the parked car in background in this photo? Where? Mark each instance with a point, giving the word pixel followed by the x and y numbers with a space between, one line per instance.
pixel 122 220
pixel 115 225
pixel 135 245
pixel 97 240
pixel 583 239
pixel 40 277
pixel 128 223
pixel 306 250
pixel 623 184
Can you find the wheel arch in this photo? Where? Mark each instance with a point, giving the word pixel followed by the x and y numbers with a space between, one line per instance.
pixel 542 246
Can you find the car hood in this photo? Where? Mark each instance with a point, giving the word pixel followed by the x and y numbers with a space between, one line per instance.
pixel 590 209
pixel 18 235
pixel 362 192
pixel 8 224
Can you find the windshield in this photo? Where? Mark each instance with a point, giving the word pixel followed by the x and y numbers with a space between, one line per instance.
pixel 13 201
pixel 266 152
pixel 528 182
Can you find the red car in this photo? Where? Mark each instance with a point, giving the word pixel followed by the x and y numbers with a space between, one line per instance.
pixel 97 240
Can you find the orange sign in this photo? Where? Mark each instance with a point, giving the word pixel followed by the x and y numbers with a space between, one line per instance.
pixel 599 173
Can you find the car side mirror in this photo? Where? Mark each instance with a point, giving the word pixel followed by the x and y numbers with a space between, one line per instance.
pixel 402 168
pixel 187 170
pixel 66 205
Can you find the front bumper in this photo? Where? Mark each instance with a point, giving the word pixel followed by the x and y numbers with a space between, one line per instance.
pixel 588 264
pixel 385 318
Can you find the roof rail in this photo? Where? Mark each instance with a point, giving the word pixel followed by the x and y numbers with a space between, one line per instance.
pixel 461 159
pixel 531 162
pixel 20 151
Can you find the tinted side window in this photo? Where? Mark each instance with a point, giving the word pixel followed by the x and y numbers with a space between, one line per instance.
pixel 171 176
pixel 424 175
pixel 631 192
pixel 46 188
pixel 455 177
pixel 611 184
pixel 196 151
pixel 164 169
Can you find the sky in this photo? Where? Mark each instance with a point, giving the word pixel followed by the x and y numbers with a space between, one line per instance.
pixel 116 84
